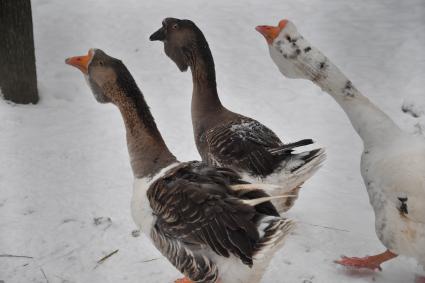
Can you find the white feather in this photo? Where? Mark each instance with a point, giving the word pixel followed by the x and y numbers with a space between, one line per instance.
pixel 393 162
pixel 141 210
pixel 257 201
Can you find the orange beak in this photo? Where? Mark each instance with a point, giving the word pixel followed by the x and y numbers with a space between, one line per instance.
pixel 270 32
pixel 81 62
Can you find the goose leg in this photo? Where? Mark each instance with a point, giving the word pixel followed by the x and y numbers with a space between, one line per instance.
pixel 369 262
pixel 183 280
pixel 419 279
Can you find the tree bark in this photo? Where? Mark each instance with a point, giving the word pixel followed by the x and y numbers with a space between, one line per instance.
pixel 18 78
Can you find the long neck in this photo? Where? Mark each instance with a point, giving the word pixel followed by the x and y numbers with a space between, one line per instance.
pixel 205 98
pixel 148 151
pixel 371 123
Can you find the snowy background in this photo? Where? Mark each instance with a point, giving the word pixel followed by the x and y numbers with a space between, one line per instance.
pixel 65 179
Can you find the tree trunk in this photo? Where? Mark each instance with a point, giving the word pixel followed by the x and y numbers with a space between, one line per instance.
pixel 18 78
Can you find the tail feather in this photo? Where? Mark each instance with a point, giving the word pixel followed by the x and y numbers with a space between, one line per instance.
pixel 287 148
pixel 257 201
pixel 283 205
pixel 312 161
pixel 273 231
pixel 308 156
pixel 293 174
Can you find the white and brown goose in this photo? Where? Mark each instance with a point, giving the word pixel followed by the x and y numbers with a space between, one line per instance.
pixel 225 138
pixel 211 225
pixel 393 162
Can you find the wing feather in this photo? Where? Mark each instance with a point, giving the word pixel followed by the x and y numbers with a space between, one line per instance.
pixel 204 213
pixel 248 145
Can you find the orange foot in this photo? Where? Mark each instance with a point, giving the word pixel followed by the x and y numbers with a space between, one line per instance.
pixel 369 262
pixel 183 280
pixel 359 262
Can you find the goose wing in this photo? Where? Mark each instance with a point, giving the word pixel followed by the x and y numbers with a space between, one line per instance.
pixel 199 211
pixel 248 145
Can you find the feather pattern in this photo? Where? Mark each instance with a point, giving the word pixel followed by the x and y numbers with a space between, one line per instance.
pixel 191 206
pixel 197 217
pixel 200 268
pixel 227 139
pixel 247 145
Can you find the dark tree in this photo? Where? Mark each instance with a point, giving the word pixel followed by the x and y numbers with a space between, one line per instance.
pixel 18 78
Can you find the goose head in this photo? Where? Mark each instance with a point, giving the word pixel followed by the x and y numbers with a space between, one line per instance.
pixel 271 33
pixel 182 40
pixel 102 73
pixel 290 51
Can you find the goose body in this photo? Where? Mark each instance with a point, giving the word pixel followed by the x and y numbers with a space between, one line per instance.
pixel 255 152
pixel 192 235
pixel 226 138
pixel 396 189
pixel 208 222
pixel 392 163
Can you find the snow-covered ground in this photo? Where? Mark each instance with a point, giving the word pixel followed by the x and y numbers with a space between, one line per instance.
pixel 65 180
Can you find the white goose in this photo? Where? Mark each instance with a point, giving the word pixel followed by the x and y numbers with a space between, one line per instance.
pixel 393 162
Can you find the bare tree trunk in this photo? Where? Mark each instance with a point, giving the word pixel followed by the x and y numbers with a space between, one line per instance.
pixel 18 78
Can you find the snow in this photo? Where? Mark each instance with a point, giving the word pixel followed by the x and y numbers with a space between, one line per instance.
pixel 65 179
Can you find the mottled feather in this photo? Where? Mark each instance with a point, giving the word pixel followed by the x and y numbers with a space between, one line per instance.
pixel 247 145
pixel 196 209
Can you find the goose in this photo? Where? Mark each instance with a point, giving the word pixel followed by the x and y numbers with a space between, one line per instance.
pixel 208 222
pixel 392 162
pixel 229 139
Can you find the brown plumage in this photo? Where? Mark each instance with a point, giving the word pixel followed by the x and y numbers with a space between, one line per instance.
pixel 225 138
pixel 194 201
pixel 189 210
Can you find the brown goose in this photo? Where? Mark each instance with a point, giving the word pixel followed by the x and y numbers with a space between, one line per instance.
pixel 211 225
pixel 225 138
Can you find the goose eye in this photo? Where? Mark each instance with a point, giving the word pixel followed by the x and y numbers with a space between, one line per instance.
pixel 175 26
pixel 100 63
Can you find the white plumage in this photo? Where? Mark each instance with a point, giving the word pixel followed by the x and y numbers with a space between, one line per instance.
pixel 393 162
pixel 141 210
pixel 393 173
